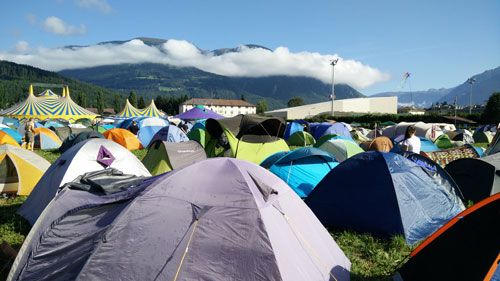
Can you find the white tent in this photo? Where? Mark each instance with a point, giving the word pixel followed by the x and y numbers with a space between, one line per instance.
pixel 87 156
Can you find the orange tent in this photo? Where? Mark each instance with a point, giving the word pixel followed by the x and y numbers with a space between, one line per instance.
pixel 383 144
pixel 7 139
pixel 124 138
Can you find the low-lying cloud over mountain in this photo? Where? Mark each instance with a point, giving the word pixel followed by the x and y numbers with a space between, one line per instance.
pixel 245 62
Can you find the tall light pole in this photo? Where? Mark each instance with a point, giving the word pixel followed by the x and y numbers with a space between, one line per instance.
pixel 470 81
pixel 333 63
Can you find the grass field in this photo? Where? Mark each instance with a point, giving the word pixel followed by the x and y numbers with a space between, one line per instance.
pixel 372 258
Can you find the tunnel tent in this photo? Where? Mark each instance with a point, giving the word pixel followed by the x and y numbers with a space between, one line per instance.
pixel 178 224
pixel 87 156
pixel 20 169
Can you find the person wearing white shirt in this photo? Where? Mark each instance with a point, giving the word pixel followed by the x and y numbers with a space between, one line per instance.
pixel 410 143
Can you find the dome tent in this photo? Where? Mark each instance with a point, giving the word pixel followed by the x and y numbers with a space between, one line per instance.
pixel 341 149
pixel 7 139
pixel 73 139
pixel 170 133
pixel 303 168
pixel 477 178
pixel 337 128
pixel 123 137
pixel 465 248
pixel 87 156
pixel 384 194
pixel 165 156
pixel 249 137
pixel 301 138
pixel 20 169
pixel 182 227
pixel 46 139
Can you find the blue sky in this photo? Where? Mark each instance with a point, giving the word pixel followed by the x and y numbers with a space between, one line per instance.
pixel 441 43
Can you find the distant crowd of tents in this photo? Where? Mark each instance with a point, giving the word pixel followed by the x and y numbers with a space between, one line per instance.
pixel 249 197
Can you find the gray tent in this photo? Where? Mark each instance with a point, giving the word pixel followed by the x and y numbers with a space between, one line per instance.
pixel 64 132
pixel 219 219
pixel 165 156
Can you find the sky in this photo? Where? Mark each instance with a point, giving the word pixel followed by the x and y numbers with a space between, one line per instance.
pixel 440 42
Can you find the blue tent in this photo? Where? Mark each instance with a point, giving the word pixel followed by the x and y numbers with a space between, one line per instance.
pixel 108 126
pixel 52 123
pixel 199 125
pixel 425 146
pixel 9 121
pixel 303 168
pixel 146 134
pixel 170 134
pixel 13 133
pixel 269 161
pixel 384 194
pixel 321 129
pixel 293 127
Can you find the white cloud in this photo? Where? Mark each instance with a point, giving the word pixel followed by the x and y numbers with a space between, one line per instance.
pixel 101 5
pixel 30 18
pixel 58 26
pixel 22 46
pixel 245 63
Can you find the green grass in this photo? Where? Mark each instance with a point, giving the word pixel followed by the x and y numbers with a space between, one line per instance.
pixel 49 155
pixel 372 258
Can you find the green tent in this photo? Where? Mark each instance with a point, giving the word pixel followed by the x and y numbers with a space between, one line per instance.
pixel 163 156
pixel 199 135
pixel 341 149
pixel 443 142
pixel 301 138
pixel 482 137
pixel 324 139
pixel 100 129
pixel 387 123
pixel 248 137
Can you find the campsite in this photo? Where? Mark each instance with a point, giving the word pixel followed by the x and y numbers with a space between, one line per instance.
pixel 298 200
pixel 257 140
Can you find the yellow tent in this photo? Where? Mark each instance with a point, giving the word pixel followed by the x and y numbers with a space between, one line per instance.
pixel 130 111
pixel 7 139
pixel 48 105
pixel 20 169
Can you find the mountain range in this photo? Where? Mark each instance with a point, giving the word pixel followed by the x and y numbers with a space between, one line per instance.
pixel 152 79
pixel 485 84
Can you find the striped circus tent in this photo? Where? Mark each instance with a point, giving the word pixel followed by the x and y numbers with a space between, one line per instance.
pixel 48 105
pixel 129 111
pixel 151 111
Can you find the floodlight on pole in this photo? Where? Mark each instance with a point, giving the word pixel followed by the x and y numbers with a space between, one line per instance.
pixel 470 81
pixel 333 63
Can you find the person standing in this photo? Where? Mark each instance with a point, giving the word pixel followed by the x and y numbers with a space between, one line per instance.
pixel 410 143
pixel 29 134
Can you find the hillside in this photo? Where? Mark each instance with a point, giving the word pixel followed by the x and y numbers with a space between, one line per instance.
pixel 15 80
pixel 150 80
pixel 486 84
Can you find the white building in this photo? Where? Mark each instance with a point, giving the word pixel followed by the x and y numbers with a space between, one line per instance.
pixel 226 108
pixel 378 105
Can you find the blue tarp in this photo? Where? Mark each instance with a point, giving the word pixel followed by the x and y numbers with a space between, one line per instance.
pixel 384 194
pixel 302 169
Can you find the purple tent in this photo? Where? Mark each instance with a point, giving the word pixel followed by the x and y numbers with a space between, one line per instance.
pixel 199 113
pixel 218 219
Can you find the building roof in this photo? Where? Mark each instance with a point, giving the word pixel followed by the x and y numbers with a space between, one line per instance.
pixel 219 102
